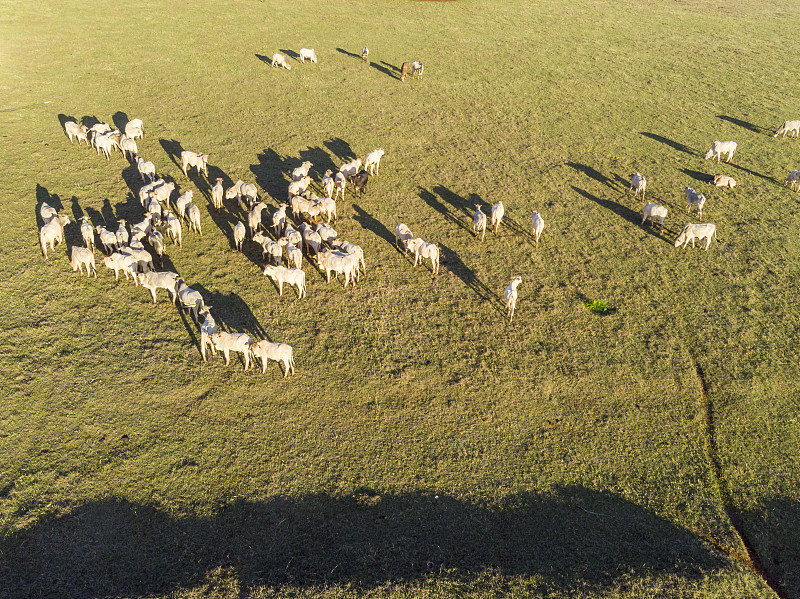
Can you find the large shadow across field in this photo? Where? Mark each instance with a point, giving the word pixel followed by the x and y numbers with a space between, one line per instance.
pixel 571 538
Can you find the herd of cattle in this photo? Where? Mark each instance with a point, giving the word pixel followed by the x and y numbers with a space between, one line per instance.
pixel 292 238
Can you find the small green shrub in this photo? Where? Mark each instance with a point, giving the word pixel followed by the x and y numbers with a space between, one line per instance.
pixel 598 306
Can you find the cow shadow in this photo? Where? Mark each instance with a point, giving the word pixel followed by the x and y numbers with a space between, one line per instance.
pixel 45 197
pixel 385 70
pixel 592 174
pixel 120 119
pixel 455 265
pixel 173 149
pixel 698 176
pixel 744 124
pixel 265 59
pixel 290 54
pixel 434 202
pixel 63 119
pixel 231 313
pixel 340 148
pixel 90 121
pixel 347 53
pixel 675 145
pixel 320 159
pixel 755 173
pixel 370 223
pixel 390 66
pixel 270 173
pixel 618 209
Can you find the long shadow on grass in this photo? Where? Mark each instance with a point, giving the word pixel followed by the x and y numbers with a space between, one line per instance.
pixel 698 176
pixel 434 200
pixel 232 313
pixel 264 59
pixel 592 173
pixel 744 124
pixel 173 149
pixel 775 536
pixel 340 148
pixel 450 260
pixel 572 539
pixel 675 145
pixel 754 173
pixel 290 54
pixel 346 53
pixel 120 119
pixel 369 222
pixel 386 70
pixel 45 197
pixel 269 173
pixel 618 209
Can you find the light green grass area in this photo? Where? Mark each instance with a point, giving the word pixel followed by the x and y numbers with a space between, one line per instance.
pixel 425 447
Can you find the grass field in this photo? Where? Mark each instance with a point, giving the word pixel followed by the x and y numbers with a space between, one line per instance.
pixel 425 447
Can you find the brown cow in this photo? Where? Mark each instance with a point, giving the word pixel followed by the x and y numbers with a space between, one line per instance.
pixel 404 71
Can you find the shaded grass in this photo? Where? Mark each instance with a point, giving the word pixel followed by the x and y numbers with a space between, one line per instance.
pixel 409 387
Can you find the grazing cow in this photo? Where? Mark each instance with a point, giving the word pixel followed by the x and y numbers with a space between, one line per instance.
pixel 279 60
pixel 694 231
pixel 364 53
pixel 788 127
pixel 404 71
pixel 718 148
pixel 309 54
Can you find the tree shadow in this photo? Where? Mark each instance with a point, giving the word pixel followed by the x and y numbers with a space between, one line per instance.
pixel 340 148
pixel 346 53
pixel 173 149
pixel 120 119
pixel 232 313
pixel 385 70
pixel 571 539
pixel 744 124
pixel 775 538
pixel 592 173
pixel 672 144
pixel 618 209
pixel 290 54
pixel 698 176
pixel 454 264
pixel 371 223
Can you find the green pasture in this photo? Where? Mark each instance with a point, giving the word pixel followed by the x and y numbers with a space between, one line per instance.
pixel 425 447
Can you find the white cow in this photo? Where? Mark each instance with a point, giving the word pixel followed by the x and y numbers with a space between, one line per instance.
pixel 722 147
pixel 199 161
pixel 788 127
pixel 694 231
pixel 309 54
pixel 653 212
